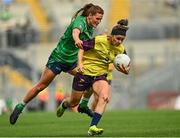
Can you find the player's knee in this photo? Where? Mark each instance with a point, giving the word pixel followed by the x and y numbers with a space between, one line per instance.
pixel 105 98
pixel 74 103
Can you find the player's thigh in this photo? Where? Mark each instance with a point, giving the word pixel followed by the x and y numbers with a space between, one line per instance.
pixel 47 76
pixel 101 88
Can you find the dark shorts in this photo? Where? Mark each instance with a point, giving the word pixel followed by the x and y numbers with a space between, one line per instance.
pixel 58 67
pixel 84 82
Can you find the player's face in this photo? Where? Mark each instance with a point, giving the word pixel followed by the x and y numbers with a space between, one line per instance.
pixel 117 40
pixel 94 20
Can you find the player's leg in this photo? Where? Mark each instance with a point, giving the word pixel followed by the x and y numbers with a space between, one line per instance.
pixel 46 78
pixel 101 88
pixel 83 105
pixel 69 102
pixel 44 81
pixel 94 101
pixel 95 98
pixel 80 84
pixel 85 99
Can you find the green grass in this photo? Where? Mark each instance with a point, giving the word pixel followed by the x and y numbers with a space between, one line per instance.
pixel 126 123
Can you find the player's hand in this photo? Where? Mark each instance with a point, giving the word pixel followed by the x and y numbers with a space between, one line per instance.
pixel 80 68
pixel 124 70
pixel 79 43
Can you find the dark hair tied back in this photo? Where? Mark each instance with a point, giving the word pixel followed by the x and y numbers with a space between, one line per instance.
pixel 120 28
pixel 123 24
pixel 87 6
pixel 88 9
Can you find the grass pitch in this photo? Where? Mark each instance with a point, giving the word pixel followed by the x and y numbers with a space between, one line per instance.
pixel 126 123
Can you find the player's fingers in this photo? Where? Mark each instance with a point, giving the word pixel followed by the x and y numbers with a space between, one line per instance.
pixel 80 70
pixel 123 67
pixel 129 64
pixel 78 45
pixel 125 70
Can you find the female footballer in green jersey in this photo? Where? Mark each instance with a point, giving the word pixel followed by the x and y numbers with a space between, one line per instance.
pixel 64 56
pixel 93 63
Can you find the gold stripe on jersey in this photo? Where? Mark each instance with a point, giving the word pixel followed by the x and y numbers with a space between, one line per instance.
pixel 96 60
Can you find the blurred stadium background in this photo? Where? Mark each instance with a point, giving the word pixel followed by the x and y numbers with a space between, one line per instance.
pixel 30 29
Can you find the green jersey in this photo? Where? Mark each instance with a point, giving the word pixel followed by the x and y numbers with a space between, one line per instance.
pixel 66 52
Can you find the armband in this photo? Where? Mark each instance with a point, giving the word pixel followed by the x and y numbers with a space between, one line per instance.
pixel 88 44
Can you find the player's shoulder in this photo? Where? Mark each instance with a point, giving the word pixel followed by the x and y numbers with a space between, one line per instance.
pixel 121 46
pixel 119 49
pixel 101 38
pixel 81 19
pixel 79 22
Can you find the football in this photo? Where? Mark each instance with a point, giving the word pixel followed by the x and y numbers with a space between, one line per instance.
pixel 121 59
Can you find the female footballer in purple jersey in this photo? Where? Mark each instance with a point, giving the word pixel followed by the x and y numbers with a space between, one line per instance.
pixel 64 56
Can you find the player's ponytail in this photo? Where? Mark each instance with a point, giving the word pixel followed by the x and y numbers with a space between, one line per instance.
pixel 123 23
pixel 88 9
pixel 120 28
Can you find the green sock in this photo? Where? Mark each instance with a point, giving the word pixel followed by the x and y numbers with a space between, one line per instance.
pixel 84 102
pixel 20 106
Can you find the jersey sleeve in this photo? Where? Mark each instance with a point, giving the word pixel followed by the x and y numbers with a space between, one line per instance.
pixel 79 23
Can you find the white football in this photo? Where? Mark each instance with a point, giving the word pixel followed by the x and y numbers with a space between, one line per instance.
pixel 121 59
